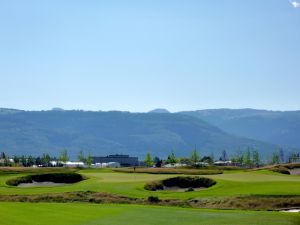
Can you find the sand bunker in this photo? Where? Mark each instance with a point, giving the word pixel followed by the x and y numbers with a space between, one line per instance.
pixel 181 184
pixel 295 171
pixel 47 179
pixel 40 184
pixel 293 210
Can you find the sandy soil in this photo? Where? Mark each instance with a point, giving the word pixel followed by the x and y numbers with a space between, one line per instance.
pixel 181 189
pixel 291 210
pixel 40 184
pixel 295 171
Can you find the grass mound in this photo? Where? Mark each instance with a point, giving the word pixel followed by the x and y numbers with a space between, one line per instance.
pixel 67 178
pixel 283 168
pixel 180 182
pixel 38 170
pixel 280 169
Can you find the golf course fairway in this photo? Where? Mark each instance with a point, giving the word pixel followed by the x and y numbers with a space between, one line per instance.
pixel 106 214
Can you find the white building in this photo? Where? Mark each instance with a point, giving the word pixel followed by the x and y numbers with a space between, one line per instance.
pixel 107 165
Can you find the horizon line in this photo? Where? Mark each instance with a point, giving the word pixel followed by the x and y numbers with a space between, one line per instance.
pixel 57 109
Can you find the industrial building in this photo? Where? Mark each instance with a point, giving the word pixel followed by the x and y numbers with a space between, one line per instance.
pixel 124 160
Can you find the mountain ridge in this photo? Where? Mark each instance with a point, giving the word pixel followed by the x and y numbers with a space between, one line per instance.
pixel 102 133
pixel 277 127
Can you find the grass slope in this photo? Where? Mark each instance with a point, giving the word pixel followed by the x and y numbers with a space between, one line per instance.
pixel 88 214
pixel 131 184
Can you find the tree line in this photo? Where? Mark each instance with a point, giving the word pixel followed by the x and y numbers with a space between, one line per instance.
pixel 45 160
pixel 248 158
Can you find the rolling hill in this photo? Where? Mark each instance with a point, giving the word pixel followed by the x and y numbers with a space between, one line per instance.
pixel 37 132
pixel 277 127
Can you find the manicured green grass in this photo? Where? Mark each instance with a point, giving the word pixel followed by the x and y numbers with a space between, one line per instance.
pixel 230 183
pixel 88 214
pixel 132 184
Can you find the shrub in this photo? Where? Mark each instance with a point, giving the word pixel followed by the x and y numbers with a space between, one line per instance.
pixel 153 199
pixel 190 189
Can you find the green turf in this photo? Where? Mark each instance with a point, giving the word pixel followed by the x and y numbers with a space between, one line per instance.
pixel 228 184
pixel 93 214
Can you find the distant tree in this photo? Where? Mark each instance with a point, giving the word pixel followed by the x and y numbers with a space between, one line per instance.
pixel 275 158
pixel 212 156
pixel 238 158
pixel 64 157
pixel 171 158
pixel 207 159
pixel 281 156
pixel 46 159
pixel 224 156
pixel 2 155
pixel 157 161
pixel 297 157
pixel 38 161
pixel 5 159
pixel 293 157
pixel 234 160
pixel 30 160
pixel 23 160
pixel 81 157
pixel 89 160
pixel 148 160
pixel 195 157
pixel 247 158
pixel 16 159
pixel 256 158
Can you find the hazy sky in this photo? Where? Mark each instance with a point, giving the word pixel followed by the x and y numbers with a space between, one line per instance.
pixel 140 55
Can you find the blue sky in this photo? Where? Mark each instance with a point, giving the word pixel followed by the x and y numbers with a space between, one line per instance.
pixel 140 55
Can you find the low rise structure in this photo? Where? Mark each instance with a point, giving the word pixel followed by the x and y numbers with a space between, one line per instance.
pixel 123 160
pixel 223 163
pixel 107 165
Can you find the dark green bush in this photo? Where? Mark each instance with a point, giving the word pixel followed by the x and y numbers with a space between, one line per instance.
pixel 190 189
pixel 153 199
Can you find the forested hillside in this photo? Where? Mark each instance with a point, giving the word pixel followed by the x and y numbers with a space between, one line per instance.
pixel 36 132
